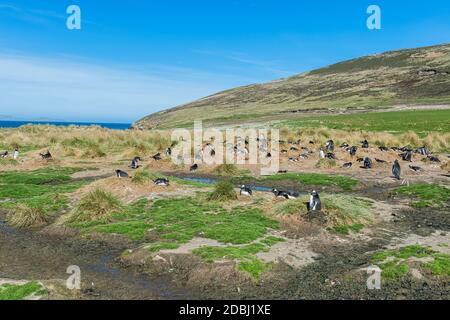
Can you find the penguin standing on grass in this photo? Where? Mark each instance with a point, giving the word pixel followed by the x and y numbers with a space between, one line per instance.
pixel 245 191
pixel 16 154
pixel 396 170
pixel 314 202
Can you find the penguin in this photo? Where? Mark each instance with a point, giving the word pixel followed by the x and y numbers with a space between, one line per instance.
pixel 396 170
pixel 380 161
pixel 245 191
pixel 331 156
pixel 46 156
pixel 157 157
pixel 268 155
pixel 383 148
pixel 285 194
pixel 353 150
pixel 4 154
pixel 330 145
pixel 365 144
pixel 311 142
pixel 347 165
pixel 321 153
pixel 345 145
pixel 293 159
pixel 212 153
pixel 16 154
pixel 161 182
pixel 283 151
pixel 314 202
pixel 407 156
pixel 433 159
pixel 415 168
pixel 293 149
pixel 169 151
pixel 367 164
pixel 135 163
pixel 423 151
pixel 121 174
pixel 282 171
pixel 194 167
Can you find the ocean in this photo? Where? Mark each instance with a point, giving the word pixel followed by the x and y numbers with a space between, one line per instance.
pixel 16 124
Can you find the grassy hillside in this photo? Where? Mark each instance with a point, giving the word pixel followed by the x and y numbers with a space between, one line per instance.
pixel 412 76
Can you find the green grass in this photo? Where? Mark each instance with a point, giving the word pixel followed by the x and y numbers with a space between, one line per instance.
pixel 20 292
pixel 315 179
pixel 192 183
pixel 5 162
pixel 394 266
pixel 143 176
pixel 347 229
pixel 419 121
pixel 426 195
pixel 42 189
pixel 223 191
pixel 255 267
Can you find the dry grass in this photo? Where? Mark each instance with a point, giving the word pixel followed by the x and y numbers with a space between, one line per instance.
pixel 26 217
pixel 98 205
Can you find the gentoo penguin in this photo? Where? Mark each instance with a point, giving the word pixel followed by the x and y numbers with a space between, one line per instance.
pixel 285 194
pixel 161 182
pixel 157 157
pixel 314 202
pixel 245 191
pixel 396 170
pixel 122 174
pixel 331 156
pixel 423 151
pixel 347 165
pixel 433 159
pixel 321 153
pixel 353 150
pixel 407 156
pixel 330 145
pixel 367 163
pixel 16 154
pixel 135 163
pixel 365 144
pixel 194 167
pixel 415 168
pixel 46 156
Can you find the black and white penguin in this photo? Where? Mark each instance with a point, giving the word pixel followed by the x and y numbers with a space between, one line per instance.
pixel 365 144
pixel 194 167
pixel 283 151
pixel 4 154
pixel 46 156
pixel 121 174
pixel 16 154
pixel 407 156
pixel 423 151
pixel 169 151
pixel 321 153
pixel 415 168
pixel 245 191
pixel 157 157
pixel 314 202
pixel 285 194
pixel 433 159
pixel 330 155
pixel 367 164
pixel 161 182
pixel 383 148
pixel 135 163
pixel 345 145
pixel 330 145
pixel 380 161
pixel 353 150
pixel 396 170
pixel 293 159
pixel 347 165
pixel 293 149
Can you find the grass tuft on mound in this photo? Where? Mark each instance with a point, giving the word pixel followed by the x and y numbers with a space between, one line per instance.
pixel 143 176
pixel 427 195
pixel 223 191
pixel 97 205
pixel 326 163
pixel 26 217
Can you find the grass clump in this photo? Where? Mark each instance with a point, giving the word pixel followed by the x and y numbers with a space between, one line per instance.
pixel 394 262
pixel 20 292
pixel 427 195
pixel 326 163
pixel 223 191
pixel 143 176
pixel 26 217
pixel 255 267
pixel 158 246
pixel 315 179
pixel 5 162
pixel 347 229
pixel 97 205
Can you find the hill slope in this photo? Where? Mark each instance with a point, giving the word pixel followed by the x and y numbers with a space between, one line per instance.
pixel 411 76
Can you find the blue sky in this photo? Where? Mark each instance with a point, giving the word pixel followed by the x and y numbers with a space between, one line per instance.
pixel 134 57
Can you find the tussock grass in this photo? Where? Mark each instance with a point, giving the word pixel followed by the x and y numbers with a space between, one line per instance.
pixel 326 163
pixel 26 217
pixel 143 176
pixel 97 205
pixel 344 213
pixel 227 170
pixel 223 191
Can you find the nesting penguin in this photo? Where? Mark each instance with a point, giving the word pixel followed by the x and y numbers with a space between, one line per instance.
pixel 135 163
pixel 365 144
pixel 330 145
pixel 245 191
pixel 121 174
pixel 161 182
pixel 194 167
pixel 367 164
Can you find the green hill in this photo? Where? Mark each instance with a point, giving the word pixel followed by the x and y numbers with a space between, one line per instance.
pixel 406 77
